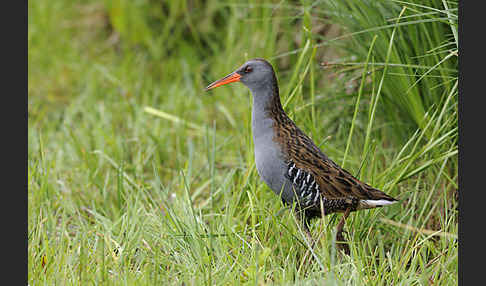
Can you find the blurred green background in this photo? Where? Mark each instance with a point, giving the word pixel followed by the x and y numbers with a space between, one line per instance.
pixel 136 175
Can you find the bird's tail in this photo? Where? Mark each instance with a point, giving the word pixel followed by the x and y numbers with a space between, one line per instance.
pixel 369 204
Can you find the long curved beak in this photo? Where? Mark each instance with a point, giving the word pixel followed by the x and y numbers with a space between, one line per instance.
pixel 232 77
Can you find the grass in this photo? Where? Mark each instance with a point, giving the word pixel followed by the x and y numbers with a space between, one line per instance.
pixel 138 177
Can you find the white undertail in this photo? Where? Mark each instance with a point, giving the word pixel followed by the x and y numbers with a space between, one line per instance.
pixel 368 204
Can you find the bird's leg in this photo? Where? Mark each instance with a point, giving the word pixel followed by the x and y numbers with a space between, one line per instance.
pixel 307 256
pixel 340 241
pixel 305 223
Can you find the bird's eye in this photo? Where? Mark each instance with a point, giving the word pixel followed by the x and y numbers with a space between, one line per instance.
pixel 248 69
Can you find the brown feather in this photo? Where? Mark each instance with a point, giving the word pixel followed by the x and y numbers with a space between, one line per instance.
pixel 334 182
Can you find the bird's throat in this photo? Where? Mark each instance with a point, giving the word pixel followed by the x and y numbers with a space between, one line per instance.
pixel 265 110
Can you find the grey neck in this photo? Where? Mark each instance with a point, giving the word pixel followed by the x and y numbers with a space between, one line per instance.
pixel 269 159
pixel 262 122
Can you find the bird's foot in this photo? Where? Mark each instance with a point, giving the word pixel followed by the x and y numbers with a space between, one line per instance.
pixel 341 242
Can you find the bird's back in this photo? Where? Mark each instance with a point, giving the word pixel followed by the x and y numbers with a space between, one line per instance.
pixel 316 179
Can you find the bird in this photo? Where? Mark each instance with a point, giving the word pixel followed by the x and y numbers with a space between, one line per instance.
pixel 291 164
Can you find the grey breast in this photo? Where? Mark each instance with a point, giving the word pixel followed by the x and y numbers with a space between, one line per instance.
pixel 269 160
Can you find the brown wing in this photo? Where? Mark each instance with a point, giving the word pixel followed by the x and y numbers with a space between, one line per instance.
pixel 334 182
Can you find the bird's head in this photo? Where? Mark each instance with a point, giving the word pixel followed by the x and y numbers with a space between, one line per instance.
pixel 255 74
